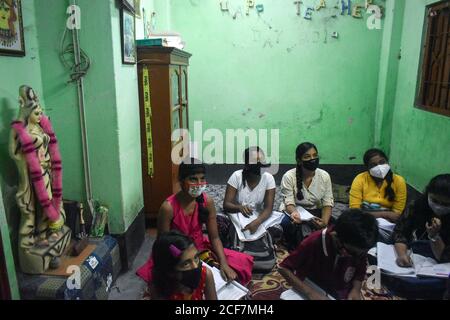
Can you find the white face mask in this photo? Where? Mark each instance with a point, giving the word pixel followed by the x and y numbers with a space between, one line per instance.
pixel 438 209
pixel 380 171
pixel 196 190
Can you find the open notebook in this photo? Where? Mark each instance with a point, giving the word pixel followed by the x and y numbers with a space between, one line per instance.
pixel 294 295
pixel 227 291
pixel 423 267
pixel 305 215
pixel 240 221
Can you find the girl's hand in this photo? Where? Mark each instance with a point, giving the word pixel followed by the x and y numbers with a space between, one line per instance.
pixel 435 227
pixel 296 217
pixel 252 226
pixel 227 273
pixel 319 223
pixel 404 261
pixel 246 211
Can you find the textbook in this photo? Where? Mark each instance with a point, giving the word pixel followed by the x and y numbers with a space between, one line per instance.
pixel 305 215
pixel 294 295
pixel 240 221
pixel 227 291
pixel 422 266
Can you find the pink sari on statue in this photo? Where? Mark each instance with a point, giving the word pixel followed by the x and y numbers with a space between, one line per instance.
pixel 190 225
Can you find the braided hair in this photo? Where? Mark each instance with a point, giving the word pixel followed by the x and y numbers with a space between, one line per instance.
pixel 390 193
pixel 190 167
pixel 299 152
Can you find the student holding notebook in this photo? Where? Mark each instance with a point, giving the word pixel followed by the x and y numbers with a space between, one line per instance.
pixel 188 211
pixel 307 187
pixel 427 218
pixel 379 191
pixel 425 229
pixel 335 259
pixel 249 199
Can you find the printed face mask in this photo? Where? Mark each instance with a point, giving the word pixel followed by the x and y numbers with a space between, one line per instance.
pixel 380 171
pixel 438 209
pixel 195 190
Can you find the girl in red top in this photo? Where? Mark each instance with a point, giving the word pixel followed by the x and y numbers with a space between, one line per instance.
pixel 178 273
pixel 188 211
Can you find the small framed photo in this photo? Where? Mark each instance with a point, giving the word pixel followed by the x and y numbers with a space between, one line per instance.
pixel 129 5
pixel 12 42
pixel 128 33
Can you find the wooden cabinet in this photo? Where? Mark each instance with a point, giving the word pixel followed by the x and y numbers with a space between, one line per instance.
pixel 168 87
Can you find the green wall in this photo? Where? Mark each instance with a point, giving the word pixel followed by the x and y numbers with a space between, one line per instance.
pixel 16 71
pixel 111 98
pixel 7 248
pixel 388 74
pixel 277 70
pixel 420 140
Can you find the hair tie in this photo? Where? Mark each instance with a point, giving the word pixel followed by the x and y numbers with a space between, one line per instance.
pixel 175 251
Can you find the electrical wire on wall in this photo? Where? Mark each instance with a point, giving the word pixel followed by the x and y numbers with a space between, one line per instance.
pixel 66 55
pixel 78 62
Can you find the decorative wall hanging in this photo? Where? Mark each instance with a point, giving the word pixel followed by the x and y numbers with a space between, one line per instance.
pixel 298 4
pixel 137 11
pixel 321 5
pixel 128 34
pixel 250 4
pixel 130 5
pixel 12 41
pixel 260 8
pixel 346 7
pixel 308 13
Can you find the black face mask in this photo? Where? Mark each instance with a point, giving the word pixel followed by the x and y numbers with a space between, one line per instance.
pixel 191 278
pixel 256 168
pixel 311 165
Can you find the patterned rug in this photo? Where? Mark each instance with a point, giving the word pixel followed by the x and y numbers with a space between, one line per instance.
pixel 270 286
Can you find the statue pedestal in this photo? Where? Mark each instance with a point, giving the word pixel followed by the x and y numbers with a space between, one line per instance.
pixel 96 278
pixel 37 259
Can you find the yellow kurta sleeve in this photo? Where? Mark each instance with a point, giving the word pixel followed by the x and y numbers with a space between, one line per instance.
pixel 400 194
pixel 356 192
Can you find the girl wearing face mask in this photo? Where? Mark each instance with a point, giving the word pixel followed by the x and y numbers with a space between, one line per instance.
pixel 378 190
pixel 187 211
pixel 427 218
pixel 178 272
pixel 424 229
pixel 309 187
pixel 249 199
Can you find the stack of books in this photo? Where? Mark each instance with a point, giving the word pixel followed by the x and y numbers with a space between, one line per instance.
pixel 164 39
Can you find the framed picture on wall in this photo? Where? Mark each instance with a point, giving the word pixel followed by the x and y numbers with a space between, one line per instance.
pixel 12 42
pixel 128 34
pixel 129 5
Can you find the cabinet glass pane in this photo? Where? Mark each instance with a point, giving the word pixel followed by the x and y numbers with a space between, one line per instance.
pixel 175 119
pixel 175 88
pixel 185 118
pixel 184 86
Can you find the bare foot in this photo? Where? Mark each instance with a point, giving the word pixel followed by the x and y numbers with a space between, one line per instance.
pixel 42 243
pixel 53 237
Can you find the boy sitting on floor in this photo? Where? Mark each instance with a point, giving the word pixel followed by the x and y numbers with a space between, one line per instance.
pixel 334 258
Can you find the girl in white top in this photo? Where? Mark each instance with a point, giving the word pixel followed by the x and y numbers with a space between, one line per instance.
pixel 308 187
pixel 250 196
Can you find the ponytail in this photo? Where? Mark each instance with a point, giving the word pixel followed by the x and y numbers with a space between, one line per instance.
pixel 390 194
pixel 203 212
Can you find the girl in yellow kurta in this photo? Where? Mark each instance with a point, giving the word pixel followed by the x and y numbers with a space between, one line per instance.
pixel 378 190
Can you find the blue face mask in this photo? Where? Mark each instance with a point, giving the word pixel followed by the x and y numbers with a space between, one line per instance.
pixel 438 209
